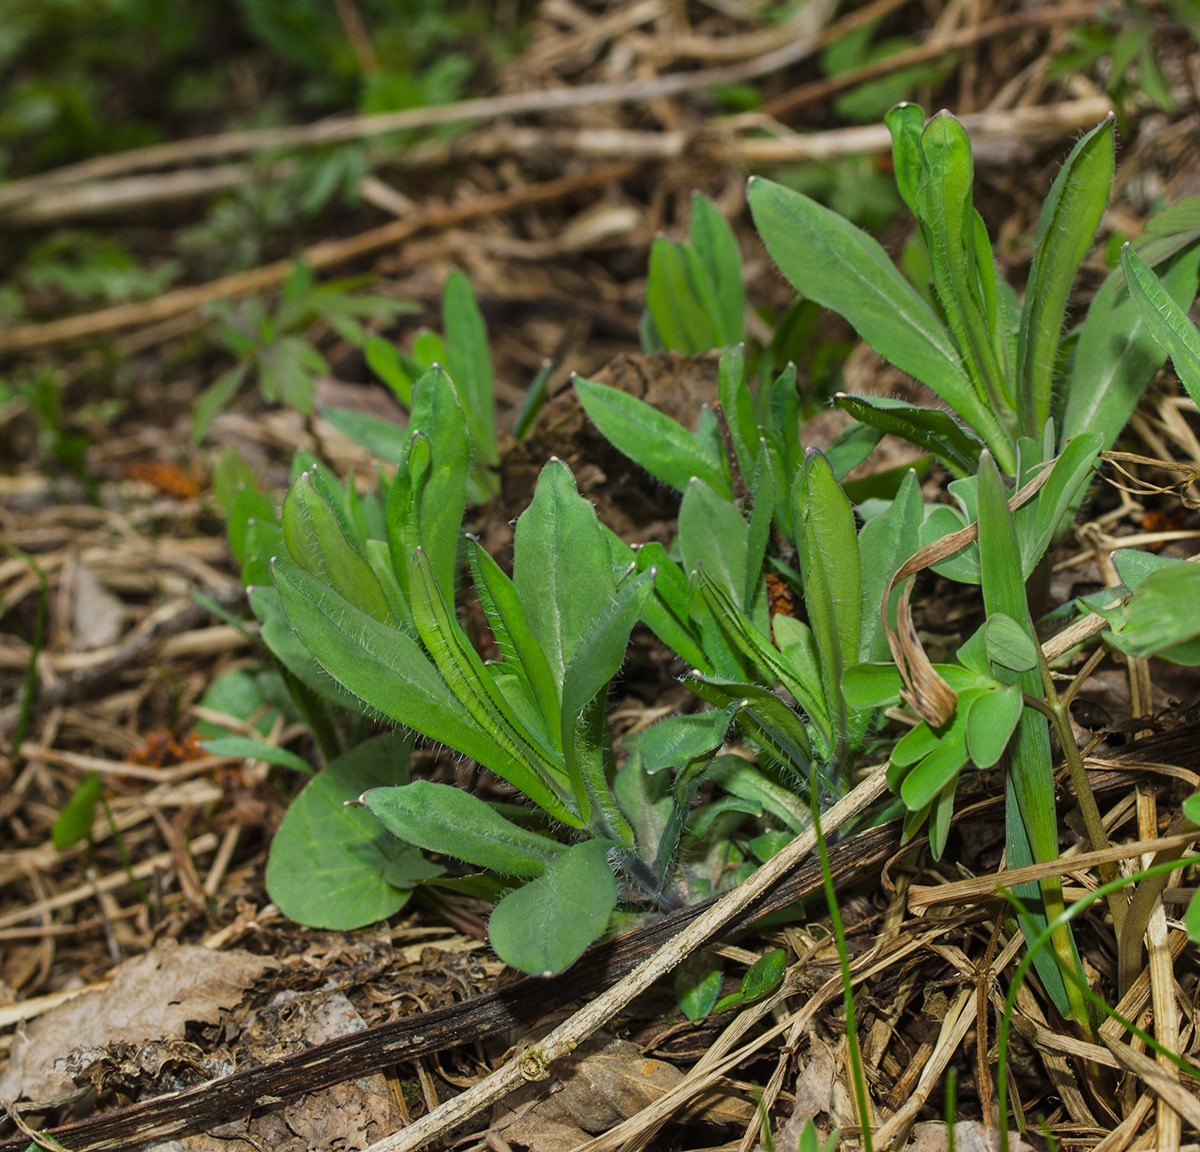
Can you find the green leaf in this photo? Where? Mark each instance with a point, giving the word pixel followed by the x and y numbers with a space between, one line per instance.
pixel 318 544
pixel 682 322
pixel 286 647
pixel 949 219
pixel 247 504
pixel 469 362
pixel 991 720
pixel 829 564
pixel 679 740
pixel 649 437
pixel 830 261
pixel 74 822
pixel 714 536
pixel 717 250
pixel 380 437
pixel 738 406
pixel 1010 645
pixel 514 637
pixel 906 122
pixel 441 491
pixel 332 866
pixel 851 448
pixel 937 770
pixel 1066 227
pixel 386 668
pixel 1166 320
pixel 1117 355
pixel 1163 612
pixel 561 566
pixel 383 358
pixel 932 429
pixel 740 778
pixel 251 748
pixel 698 984
pixel 444 819
pixel 543 927
pixel 215 397
pixel 885 542
pixel 871 685
pixel 761 979
pixel 1191 808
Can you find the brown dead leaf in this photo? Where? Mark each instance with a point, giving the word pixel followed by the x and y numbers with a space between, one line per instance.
pixel 814 1096
pixel 151 997
pixel 606 1081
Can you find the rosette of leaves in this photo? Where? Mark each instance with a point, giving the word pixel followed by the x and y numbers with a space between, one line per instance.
pixel 755 503
pixel 536 717
pixel 1006 367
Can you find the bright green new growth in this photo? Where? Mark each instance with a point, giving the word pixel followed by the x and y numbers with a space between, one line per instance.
pixel 695 296
pixel 1006 368
pixel 712 609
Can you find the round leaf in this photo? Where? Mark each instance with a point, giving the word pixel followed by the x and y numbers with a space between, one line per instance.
pixel 1009 645
pixel 545 926
pixel 991 720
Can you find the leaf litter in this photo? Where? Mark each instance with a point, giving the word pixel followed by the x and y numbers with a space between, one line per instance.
pixel 134 655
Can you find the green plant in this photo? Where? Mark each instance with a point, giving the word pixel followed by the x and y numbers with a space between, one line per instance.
pixel 745 483
pixel 990 706
pixel 1005 367
pixel 1129 51
pixel 464 352
pixel 271 347
pixel 695 296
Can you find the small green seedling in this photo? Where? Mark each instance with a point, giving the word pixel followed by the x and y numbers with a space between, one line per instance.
pixel 695 296
pixel 271 345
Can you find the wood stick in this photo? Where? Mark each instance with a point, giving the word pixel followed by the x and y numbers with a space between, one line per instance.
pixel 933 48
pixel 322 255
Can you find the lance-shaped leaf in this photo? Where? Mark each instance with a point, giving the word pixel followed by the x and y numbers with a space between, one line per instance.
pixel 316 541
pixel 761 716
pixel 1118 355
pixel 716 249
pixel 387 670
pixel 906 122
pixel 469 360
pixel 682 322
pixel 595 662
pixel 649 437
pixel 440 488
pixel 1031 775
pixel 1066 227
pixel 738 407
pixel 949 218
pixel 830 261
pixel 1167 321
pixel 444 819
pixel 561 566
pixel 544 926
pixel 932 429
pixel 464 671
pixel 827 544
pixel 514 637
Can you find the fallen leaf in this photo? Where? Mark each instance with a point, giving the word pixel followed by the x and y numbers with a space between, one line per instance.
pixel 97 616
pixel 969 1136
pixel 151 997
